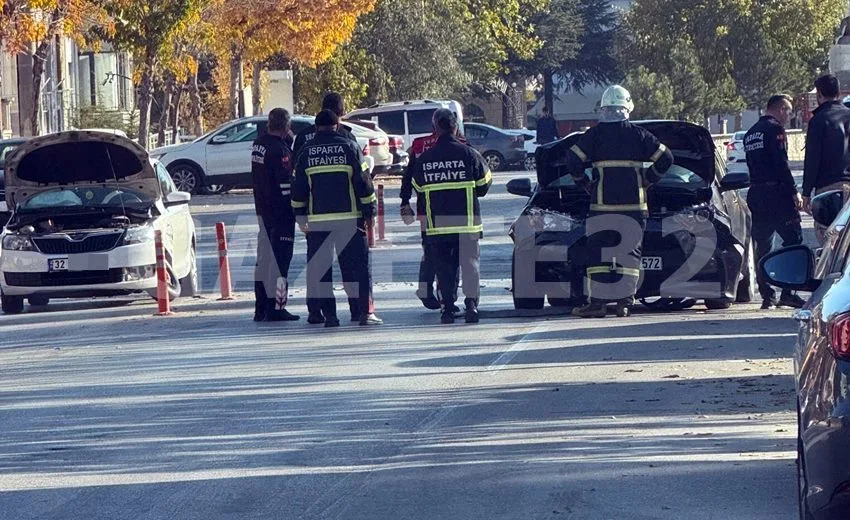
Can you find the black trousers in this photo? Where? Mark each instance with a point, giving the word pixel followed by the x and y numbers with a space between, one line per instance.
pixel 427 272
pixel 614 248
pixel 352 252
pixel 763 229
pixel 275 246
pixel 450 254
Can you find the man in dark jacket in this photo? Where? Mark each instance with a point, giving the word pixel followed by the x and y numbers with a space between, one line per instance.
pixel 625 159
pixel 333 102
pixel 827 164
pixel 449 178
pixel 547 128
pixel 271 169
pixel 772 197
pixel 333 199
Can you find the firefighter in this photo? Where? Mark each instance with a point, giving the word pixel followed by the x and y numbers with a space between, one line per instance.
pixel 773 198
pixel 449 178
pixel 427 274
pixel 271 169
pixel 617 150
pixel 333 199
pixel 333 102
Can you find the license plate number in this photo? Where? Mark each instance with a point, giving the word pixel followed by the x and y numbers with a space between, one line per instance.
pixel 651 263
pixel 57 264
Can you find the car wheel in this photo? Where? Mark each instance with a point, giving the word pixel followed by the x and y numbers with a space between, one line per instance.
pixel 215 189
pixel 530 162
pixel 523 303
pixel 12 304
pixel 189 284
pixel 744 293
pixel 172 281
pixel 717 305
pixel 494 161
pixel 38 301
pixel 186 177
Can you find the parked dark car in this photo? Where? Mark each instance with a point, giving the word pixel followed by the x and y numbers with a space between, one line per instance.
pixel 697 243
pixel 821 360
pixel 6 147
pixel 498 147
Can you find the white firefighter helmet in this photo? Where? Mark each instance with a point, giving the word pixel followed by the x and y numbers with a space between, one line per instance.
pixel 617 96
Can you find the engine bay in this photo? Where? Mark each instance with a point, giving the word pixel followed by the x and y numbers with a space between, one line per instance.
pixel 43 224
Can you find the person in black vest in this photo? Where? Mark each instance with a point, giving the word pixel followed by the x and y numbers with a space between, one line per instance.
pixel 271 169
pixel 547 128
pixel 773 198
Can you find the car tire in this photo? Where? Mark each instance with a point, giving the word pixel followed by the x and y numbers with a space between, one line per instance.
pixel 189 283
pixel 494 160
pixel 214 189
pixel 173 284
pixel 38 301
pixel 12 304
pixel 523 303
pixel 744 292
pixel 718 304
pixel 187 177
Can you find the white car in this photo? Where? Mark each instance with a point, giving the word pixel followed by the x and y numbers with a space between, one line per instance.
pixel 735 152
pixel 409 119
pixel 530 137
pixel 221 158
pixel 86 206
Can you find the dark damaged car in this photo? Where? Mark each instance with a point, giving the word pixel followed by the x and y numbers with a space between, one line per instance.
pixel 697 243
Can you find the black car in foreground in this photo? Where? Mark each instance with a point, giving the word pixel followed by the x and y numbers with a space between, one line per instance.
pixel 697 243
pixel 821 360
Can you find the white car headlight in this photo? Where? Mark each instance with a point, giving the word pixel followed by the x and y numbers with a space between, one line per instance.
pixel 138 235
pixel 18 243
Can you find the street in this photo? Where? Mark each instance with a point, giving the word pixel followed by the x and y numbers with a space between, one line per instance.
pixel 109 412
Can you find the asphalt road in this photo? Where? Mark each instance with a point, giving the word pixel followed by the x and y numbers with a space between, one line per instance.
pixel 108 412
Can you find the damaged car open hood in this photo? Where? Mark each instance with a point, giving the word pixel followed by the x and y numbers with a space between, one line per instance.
pixel 687 141
pixel 78 158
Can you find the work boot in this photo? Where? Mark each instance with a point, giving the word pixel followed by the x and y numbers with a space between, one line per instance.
pixel 315 318
pixel 791 300
pixel 624 308
pixel 331 321
pixel 471 311
pixel 768 304
pixel 428 299
pixel 370 318
pixel 456 311
pixel 447 317
pixel 259 312
pixel 591 310
pixel 281 315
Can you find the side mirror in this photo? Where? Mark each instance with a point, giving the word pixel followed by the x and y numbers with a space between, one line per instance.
pixel 219 139
pixel 521 187
pixel 733 181
pixel 790 268
pixel 826 206
pixel 176 198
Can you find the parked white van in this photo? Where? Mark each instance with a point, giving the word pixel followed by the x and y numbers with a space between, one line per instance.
pixel 410 119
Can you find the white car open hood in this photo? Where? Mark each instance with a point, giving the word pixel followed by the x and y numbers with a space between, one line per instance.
pixel 77 158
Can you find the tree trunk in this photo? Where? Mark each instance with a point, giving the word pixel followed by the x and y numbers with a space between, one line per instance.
pixel 549 91
pixel 145 87
pixel 256 95
pixel 174 119
pixel 164 113
pixel 235 63
pixel 196 126
pixel 37 71
pixel 240 66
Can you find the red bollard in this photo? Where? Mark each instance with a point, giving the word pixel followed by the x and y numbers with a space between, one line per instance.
pixel 161 278
pixel 223 262
pixel 381 230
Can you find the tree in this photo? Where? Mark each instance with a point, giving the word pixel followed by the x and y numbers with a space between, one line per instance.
pixel 654 95
pixel 594 63
pixel 147 29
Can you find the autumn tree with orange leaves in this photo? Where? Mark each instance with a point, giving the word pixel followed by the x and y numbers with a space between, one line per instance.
pixel 305 32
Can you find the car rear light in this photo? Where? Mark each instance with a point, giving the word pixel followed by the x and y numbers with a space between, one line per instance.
pixel 731 147
pixel 396 142
pixel 375 142
pixel 839 335
pixel 366 150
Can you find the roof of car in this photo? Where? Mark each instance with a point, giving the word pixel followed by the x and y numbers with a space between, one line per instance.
pixel 413 104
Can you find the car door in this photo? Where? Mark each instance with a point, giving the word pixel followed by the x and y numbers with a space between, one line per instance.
pixel 178 226
pixel 229 151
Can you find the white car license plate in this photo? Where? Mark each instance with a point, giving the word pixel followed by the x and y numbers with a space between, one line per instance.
pixel 651 263
pixel 57 264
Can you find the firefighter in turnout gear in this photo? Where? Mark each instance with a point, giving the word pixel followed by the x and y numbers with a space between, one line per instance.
pixel 427 272
pixel 333 199
pixel 333 102
pixel 625 159
pixel 271 169
pixel 449 178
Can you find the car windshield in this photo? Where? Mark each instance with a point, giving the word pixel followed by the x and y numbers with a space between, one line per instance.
pixel 674 177
pixel 94 197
